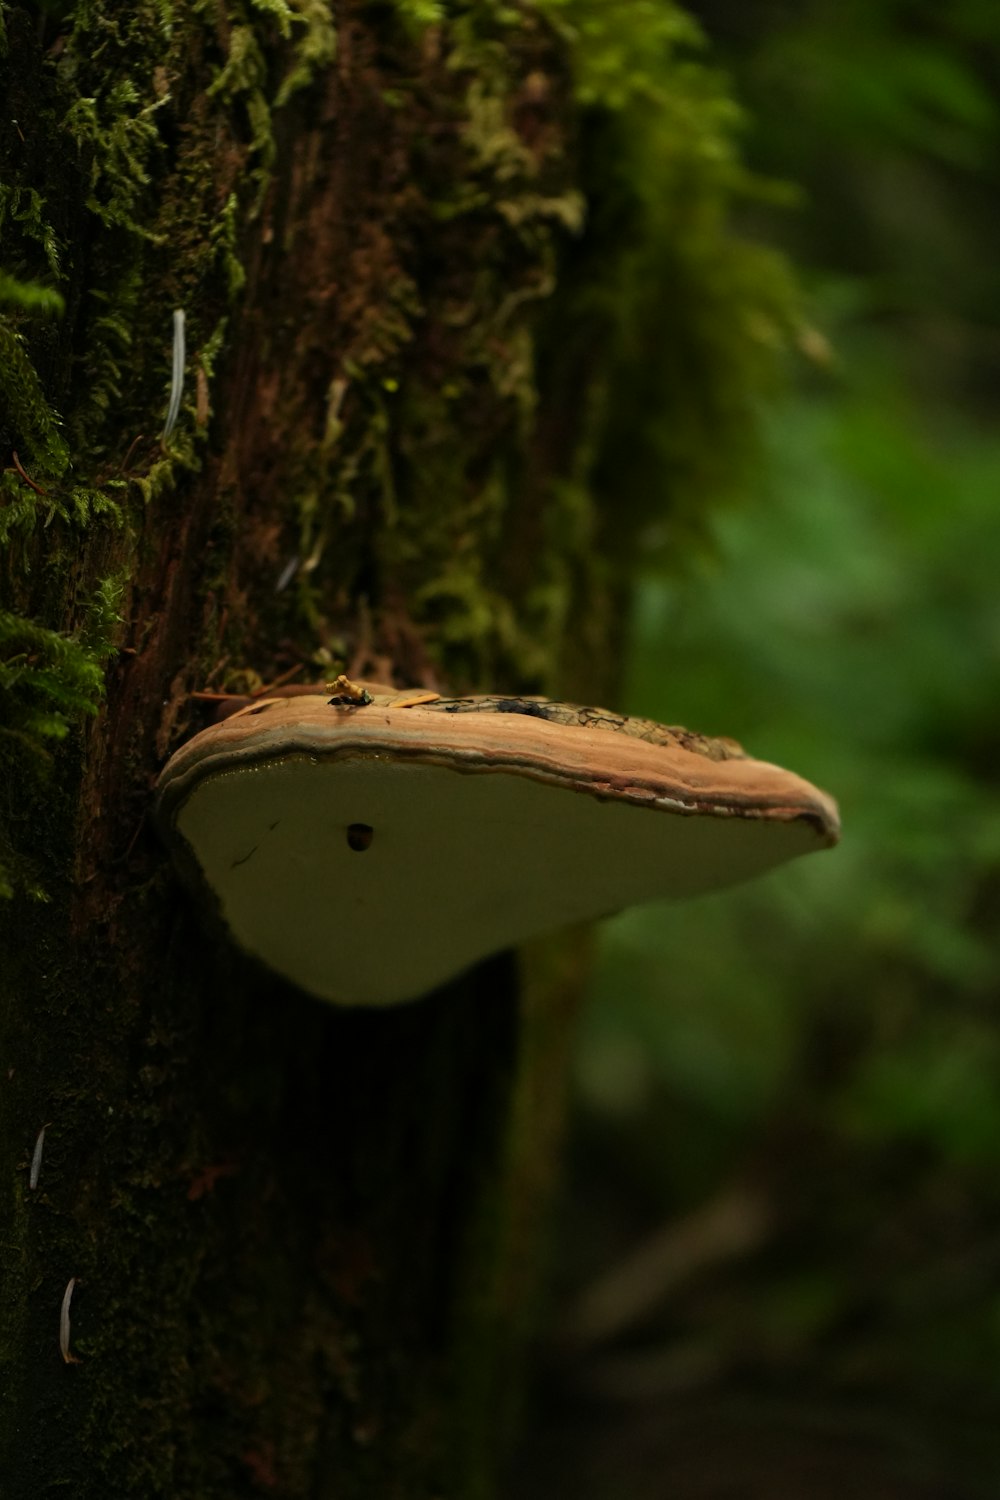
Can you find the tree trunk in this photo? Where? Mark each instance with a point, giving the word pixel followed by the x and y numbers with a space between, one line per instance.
pixel 266 1246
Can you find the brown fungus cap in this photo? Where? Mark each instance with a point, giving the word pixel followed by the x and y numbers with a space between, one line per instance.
pixel 370 846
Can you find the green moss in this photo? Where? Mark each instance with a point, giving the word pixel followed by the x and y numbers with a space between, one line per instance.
pixel 30 296
pixel 622 50
pixel 23 216
pixel 667 329
pixel 243 79
pixel 279 9
pixel 419 14
pixel 22 508
pixel 694 317
pixel 119 135
pixel 49 680
pixel 108 99
pixel 309 27
pixel 161 477
pixel 34 427
pixel 223 238
pixel 315 47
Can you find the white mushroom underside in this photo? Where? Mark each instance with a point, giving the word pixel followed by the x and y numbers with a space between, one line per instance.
pixel 460 865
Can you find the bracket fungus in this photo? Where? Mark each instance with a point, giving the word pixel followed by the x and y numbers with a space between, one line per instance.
pixel 370 846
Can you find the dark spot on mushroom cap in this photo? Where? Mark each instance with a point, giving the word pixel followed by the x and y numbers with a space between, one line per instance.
pixel 531 708
pixel 359 836
pixel 526 706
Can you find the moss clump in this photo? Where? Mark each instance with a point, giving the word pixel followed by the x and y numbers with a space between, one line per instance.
pixel 420 14
pixel 23 218
pixel 33 425
pixel 29 295
pixel 48 681
pixel 693 316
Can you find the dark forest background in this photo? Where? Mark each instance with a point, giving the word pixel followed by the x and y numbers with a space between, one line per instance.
pixel 777 1264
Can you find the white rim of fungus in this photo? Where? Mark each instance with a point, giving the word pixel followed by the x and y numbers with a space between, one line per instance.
pixel 472 850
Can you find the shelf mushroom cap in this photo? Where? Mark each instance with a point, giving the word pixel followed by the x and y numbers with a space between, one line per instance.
pixel 371 846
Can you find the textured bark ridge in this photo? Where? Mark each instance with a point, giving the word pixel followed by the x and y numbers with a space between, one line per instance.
pixel 303 1243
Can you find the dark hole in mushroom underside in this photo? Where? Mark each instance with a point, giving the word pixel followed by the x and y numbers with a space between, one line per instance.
pixel 359 836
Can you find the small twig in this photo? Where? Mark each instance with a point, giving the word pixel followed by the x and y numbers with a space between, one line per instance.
pixel 132 840
pixel 36 487
pixel 734 1223
pixel 64 1324
pixel 36 1159
pixel 262 692
pixel 205 695
pixel 123 466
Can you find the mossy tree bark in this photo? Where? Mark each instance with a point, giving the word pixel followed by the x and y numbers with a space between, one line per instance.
pixel 303 1240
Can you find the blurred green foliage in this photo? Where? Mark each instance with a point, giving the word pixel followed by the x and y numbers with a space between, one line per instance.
pixel 850 628
pixel 827 1039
